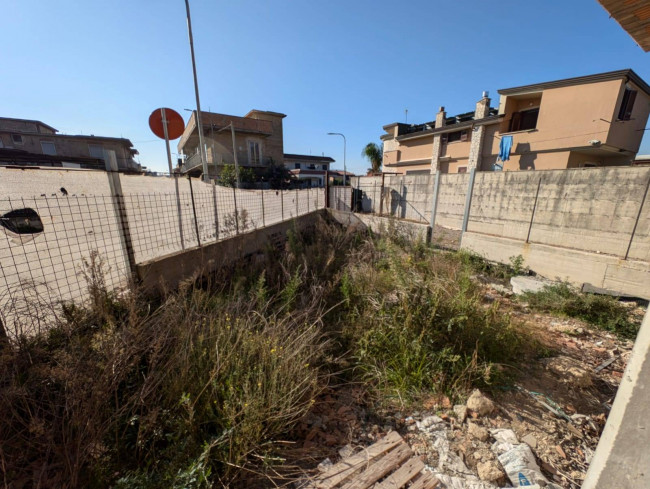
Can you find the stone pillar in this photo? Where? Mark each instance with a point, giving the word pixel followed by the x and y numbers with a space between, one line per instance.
pixel 476 145
pixel 435 153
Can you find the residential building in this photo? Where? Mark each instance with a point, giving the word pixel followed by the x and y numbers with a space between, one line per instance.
pixel 309 170
pixel 258 141
pixel 595 120
pixel 33 143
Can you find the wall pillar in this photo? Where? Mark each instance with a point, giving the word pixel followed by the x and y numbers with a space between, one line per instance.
pixel 435 153
pixel 478 132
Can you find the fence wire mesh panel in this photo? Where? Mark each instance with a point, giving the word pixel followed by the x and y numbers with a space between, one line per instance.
pixel 369 193
pixel 39 271
pixel 341 198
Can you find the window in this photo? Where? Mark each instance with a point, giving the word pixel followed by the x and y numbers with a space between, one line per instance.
pixel 254 153
pixel 324 167
pixel 462 169
pixel 627 104
pixel 48 148
pixel 297 166
pixel 312 167
pixel 96 151
pixel 524 120
pixel 451 137
pixel 17 139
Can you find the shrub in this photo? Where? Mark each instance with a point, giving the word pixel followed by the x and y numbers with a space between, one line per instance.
pixel 602 311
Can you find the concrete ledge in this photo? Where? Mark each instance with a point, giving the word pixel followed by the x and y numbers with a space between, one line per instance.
pixel 167 272
pixel 379 224
pixel 626 277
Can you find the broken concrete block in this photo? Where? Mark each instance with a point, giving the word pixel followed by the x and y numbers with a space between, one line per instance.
pixel 480 404
pixel 530 440
pixel 490 471
pixel 524 283
pixel 569 371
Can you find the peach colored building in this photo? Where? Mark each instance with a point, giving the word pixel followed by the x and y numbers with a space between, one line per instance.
pixel 595 120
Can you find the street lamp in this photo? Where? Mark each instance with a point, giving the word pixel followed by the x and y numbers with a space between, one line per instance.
pixel 345 171
pixel 204 161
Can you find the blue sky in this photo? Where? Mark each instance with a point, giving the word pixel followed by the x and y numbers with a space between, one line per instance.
pixel 352 66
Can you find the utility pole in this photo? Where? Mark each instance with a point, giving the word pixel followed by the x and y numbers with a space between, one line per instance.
pixel 204 161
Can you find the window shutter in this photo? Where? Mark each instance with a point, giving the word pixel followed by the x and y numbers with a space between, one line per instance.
pixel 515 122
pixel 628 104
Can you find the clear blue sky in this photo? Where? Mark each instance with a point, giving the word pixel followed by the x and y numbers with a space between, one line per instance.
pixel 347 66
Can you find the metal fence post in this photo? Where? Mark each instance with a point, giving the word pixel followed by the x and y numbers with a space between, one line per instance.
pixel 297 202
pixel 327 189
pixel 282 203
pixel 532 215
pixel 263 212
pixel 196 222
pixel 381 194
pixel 434 207
pixel 636 222
pixel 179 212
pixel 120 211
pixel 468 200
pixel 216 210
pixel 234 199
pixel 308 197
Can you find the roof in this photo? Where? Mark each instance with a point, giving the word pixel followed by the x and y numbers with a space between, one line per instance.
pixel 288 156
pixel 32 121
pixel 125 141
pixel 18 156
pixel 451 127
pixel 580 80
pixel 253 111
pixel 633 16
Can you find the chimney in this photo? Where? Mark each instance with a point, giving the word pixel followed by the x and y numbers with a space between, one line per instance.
pixel 482 107
pixel 440 117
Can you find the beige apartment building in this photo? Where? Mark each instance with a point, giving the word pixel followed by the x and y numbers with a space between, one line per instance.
pixel 258 141
pixel 595 120
pixel 26 142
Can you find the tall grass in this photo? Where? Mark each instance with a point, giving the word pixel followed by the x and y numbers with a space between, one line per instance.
pixel 200 387
pixel 604 312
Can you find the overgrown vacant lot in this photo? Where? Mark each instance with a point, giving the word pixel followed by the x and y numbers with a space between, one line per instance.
pixel 213 385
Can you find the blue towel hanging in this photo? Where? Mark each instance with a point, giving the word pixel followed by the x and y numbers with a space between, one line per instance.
pixel 504 148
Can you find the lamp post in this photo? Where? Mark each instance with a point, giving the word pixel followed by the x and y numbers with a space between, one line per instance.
pixel 345 171
pixel 204 160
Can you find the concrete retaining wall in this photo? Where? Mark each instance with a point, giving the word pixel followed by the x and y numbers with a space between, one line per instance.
pixel 168 272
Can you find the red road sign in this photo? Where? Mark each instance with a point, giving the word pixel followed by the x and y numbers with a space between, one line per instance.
pixel 175 123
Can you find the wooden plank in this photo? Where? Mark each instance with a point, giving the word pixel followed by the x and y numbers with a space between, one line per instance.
pixel 401 476
pixel 345 468
pixel 380 468
pixel 425 481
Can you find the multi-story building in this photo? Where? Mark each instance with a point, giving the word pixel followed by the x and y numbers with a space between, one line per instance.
pixel 258 141
pixel 595 120
pixel 33 143
pixel 310 171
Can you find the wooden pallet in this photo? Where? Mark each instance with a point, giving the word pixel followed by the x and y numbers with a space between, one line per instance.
pixel 388 464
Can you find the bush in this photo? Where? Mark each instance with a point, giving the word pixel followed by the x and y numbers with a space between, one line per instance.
pixel 416 322
pixel 602 311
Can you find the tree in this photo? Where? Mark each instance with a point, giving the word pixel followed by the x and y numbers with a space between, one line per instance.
pixel 278 176
pixel 374 153
pixel 228 175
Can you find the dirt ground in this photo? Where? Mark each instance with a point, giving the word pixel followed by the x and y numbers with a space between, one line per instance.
pixel 557 405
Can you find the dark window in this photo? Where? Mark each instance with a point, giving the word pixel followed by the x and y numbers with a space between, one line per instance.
pixel 627 105
pixel 450 137
pixel 462 169
pixel 524 120
pixel 312 167
pixel 324 167
pixel 17 138
pixel 297 166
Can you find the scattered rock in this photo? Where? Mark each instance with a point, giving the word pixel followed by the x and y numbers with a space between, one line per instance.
pixel 430 423
pixel 523 283
pixel 324 465
pixel 530 440
pixel 461 412
pixel 502 289
pixel 480 404
pixel 489 471
pixel 569 371
pixel 478 432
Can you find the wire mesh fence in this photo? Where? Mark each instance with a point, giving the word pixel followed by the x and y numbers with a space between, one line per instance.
pixel 40 270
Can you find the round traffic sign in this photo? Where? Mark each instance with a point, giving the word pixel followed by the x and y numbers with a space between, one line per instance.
pixel 175 123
